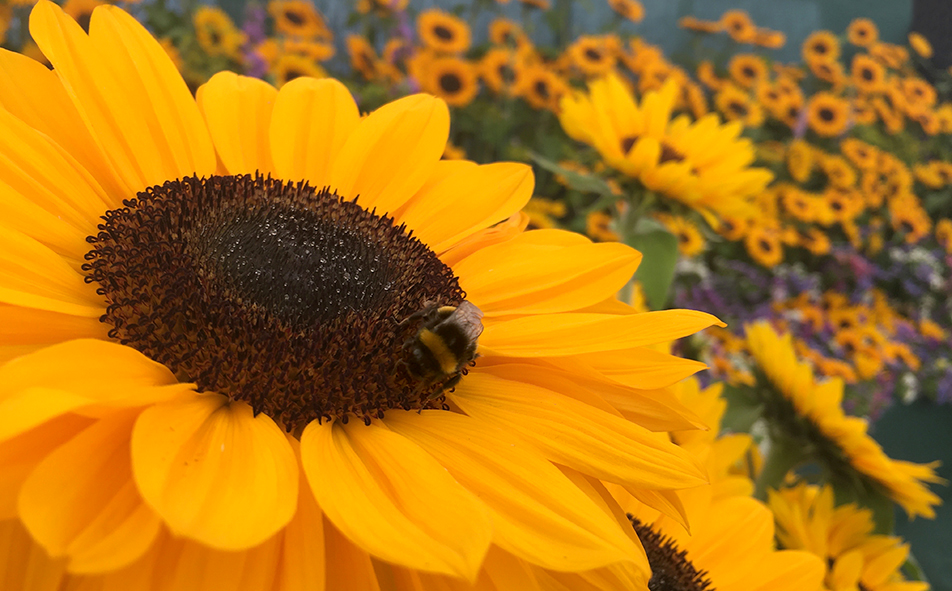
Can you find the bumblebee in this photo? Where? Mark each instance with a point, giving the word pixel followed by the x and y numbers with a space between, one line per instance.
pixel 444 345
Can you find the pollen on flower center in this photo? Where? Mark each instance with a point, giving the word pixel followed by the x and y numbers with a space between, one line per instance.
pixel 671 570
pixel 288 298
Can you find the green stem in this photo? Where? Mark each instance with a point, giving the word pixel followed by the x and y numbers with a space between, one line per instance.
pixel 782 457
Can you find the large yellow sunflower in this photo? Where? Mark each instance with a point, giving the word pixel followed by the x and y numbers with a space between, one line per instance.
pixel 229 327
pixel 809 416
pixel 843 538
pixel 702 163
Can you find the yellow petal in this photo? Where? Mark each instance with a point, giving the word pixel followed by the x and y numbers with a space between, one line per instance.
pixel 128 93
pixel 348 567
pixel 577 435
pixel 214 472
pixel 476 197
pixel 87 376
pixel 24 566
pixel 501 232
pixel 81 501
pixel 34 276
pixel 237 110
pixel 29 326
pixel 538 514
pixel 391 152
pixel 790 569
pixel 573 334
pixel 20 455
pixel 519 278
pixel 311 121
pixel 368 482
pixel 34 94
pixel 303 566
pixel 641 367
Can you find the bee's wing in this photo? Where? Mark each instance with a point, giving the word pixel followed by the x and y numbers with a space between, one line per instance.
pixel 469 318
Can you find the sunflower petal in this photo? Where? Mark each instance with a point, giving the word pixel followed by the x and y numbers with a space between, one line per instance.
pixel 792 569
pixel 518 278
pixel 19 456
pixel 348 567
pixel 32 92
pixel 538 514
pixel 102 524
pixel 464 203
pixel 34 276
pixel 573 334
pixel 214 472
pixel 374 499
pixel 303 563
pixel 311 121
pixel 29 326
pixel 391 152
pixel 129 94
pixel 237 110
pixel 577 435
pixel 641 368
pixel 24 565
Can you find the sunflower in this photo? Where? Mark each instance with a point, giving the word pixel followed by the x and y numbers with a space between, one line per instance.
pixel 867 74
pixel 452 79
pixel 827 114
pixel 862 32
pixel 540 87
pixel 842 537
pixel 298 18
pixel 736 105
pixel 497 69
pixel 770 39
pixel 690 241
pixel 703 164
pixel 831 72
pixel 838 171
pixel 764 245
pixel 864 156
pixel 214 352
pixel 747 69
pixel 216 33
pixel 591 55
pixel 630 9
pixel 695 24
pixel 503 31
pixel 807 415
pixel 821 46
pixel 443 32
pixel 800 160
pixel 363 57
pixel 920 45
pixel 291 66
pixel 599 226
pixel 739 26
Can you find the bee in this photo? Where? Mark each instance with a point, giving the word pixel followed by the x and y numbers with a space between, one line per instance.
pixel 444 345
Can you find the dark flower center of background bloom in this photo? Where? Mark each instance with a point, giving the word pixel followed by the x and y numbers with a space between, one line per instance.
pixel 294 18
pixel 286 297
pixel 670 569
pixel 450 83
pixel 443 33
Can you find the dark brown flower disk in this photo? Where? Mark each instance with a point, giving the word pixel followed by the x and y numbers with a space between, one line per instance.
pixel 273 293
pixel 670 569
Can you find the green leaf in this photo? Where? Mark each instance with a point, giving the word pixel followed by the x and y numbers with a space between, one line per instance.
pixel 659 248
pixel 585 183
pixel 743 409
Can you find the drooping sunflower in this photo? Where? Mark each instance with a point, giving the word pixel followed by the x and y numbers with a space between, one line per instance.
pixel 452 79
pixel 677 158
pixel 298 18
pixel 212 311
pixel 808 415
pixel 827 114
pixel 443 32
pixel 630 9
pixel 842 537
pixel 921 45
pixel 862 32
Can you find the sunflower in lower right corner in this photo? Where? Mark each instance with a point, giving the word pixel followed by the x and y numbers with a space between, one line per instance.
pixel 843 538
pixel 807 415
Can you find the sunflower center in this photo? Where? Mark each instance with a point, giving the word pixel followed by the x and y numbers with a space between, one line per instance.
pixel 443 33
pixel 542 89
pixel 294 300
pixel 294 18
pixel 593 54
pixel 670 569
pixel 450 83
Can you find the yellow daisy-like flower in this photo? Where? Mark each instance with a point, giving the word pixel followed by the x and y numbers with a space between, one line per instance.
pixel 920 45
pixel 216 33
pixel 738 25
pixel 862 32
pixel 810 414
pixel 702 163
pixel 690 240
pixel 298 18
pixel 821 46
pixel 630 9
pixel 867 74
pixel 223 373
pixel 591 55
pixel 747 69
pixel 292 66
pixel 81 10
pixel 827 114
pixel 443 32
pixel 843 538
pixel 452 79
